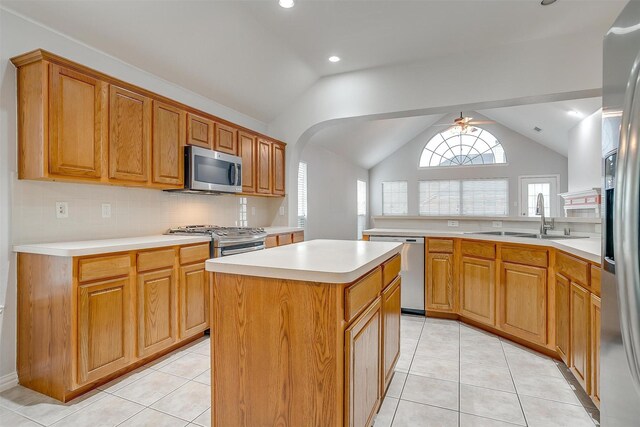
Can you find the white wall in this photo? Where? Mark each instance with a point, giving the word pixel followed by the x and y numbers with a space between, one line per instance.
pixel 27 207
pixel 524 157
pixel 585 153
pixel 331 194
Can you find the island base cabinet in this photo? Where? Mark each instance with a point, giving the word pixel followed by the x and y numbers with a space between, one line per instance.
pixel 362 367
pixel 522 302
pixel 390 331
pixel 104 329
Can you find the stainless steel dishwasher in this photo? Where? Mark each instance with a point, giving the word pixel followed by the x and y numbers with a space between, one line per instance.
pixel 412 271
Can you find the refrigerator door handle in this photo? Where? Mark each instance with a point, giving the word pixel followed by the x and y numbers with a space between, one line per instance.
pixel 626 224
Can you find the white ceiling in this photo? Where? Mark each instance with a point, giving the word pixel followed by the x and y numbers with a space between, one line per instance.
pixel 366 143
pixel 256 57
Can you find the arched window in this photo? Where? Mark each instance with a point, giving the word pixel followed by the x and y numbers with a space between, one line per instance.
pixel 462 147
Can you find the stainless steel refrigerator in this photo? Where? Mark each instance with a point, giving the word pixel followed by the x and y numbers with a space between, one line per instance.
pixel 620 330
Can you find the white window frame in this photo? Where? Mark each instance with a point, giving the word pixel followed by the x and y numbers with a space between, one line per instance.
pixel 303 196
pixel 554 179
pixel 461 190
pixel 406 200
pixel 361 213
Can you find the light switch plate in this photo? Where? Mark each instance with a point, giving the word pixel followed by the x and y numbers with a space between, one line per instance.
pixel 106 210
pixel 497 224
pixel 452 223
pixel 62 210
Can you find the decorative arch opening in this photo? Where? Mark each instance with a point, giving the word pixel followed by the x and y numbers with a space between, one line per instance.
pixel 459 146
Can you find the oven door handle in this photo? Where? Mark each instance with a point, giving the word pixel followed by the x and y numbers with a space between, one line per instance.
pixel 224 252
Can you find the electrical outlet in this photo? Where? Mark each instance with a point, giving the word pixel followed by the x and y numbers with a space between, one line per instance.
pixel 452 223
pixel 62 210
pixel 497 224
pixel 106 210
pixel 281 210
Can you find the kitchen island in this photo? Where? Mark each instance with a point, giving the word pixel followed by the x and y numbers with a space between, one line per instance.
pixel 305 334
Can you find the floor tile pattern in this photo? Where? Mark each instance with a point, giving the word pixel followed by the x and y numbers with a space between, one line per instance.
pixel 448 374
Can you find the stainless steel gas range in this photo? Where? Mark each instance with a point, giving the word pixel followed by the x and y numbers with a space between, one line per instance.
pixel 227 241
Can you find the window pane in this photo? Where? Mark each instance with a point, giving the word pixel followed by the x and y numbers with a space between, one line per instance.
pixel 460 147
pixel 485 197
pixel 394 198
pixel 532 198
pixel 439 197
pixel 361 197
pixel 302 194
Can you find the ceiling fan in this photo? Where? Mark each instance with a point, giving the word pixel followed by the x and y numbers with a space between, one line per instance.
pixel 466 124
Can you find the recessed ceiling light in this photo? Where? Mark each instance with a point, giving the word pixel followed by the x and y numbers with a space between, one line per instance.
pixel 547 2
pixel 287 4
pixel 334 58
pixel 574 113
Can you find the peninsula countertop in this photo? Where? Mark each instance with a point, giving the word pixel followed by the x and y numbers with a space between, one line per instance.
pixel 327 261
pixel 588 248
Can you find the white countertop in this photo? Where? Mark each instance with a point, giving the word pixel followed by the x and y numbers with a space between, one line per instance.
pixel 281 230
pixel 588 248
pixel 326 261
pixel 93 247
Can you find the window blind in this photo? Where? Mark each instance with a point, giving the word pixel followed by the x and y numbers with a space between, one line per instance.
pixel 394 198
pixel 473 197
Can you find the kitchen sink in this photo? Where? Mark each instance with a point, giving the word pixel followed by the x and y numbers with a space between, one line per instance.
pixel 526 235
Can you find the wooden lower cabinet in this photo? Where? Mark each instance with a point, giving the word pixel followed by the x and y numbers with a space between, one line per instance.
pixel 194 300
pixel 157 311
pixel 104 328
pixel 478 289
pixel 390 331
pixel 563 327
pixel 362 367
pixel 580 302
pixel 440 292
pixel 522 302
pixel 595 349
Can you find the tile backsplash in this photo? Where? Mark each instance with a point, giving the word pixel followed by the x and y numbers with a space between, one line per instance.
pixel 134 211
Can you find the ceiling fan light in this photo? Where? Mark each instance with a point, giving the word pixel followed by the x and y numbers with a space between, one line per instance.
pixel 547 2
pixel 287 4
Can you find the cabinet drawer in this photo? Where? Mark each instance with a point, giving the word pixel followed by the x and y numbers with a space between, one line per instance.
pixel 390 270
pixel 103 267
pixel 156 259
pixel 189 254
pixel 359 295
pixel 574 268
pixel 440 245
pixel 479 249
pixel 526 256
pixel 284 239
pixel 595 279
pixel 298 236
pixel 271 242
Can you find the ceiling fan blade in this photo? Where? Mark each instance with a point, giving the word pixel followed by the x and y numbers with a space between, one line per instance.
pixel 481 122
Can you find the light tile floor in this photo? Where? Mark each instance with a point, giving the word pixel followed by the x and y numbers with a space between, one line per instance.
pixel 448 374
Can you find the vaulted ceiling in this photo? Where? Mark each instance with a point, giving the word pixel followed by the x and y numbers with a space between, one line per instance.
pixel 256 57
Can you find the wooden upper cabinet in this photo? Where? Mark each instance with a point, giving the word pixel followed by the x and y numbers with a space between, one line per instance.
pixel 104 329
pixel 247 151
pixel 263 167
pixel 78 120
pixel 563 286
pixel 169 131
pixel 522 301
pixel 129 135
pixel 200 131
pixel 580 301
pixel 278 168
pixel 478 289
pixel 440 292
pixel 226 139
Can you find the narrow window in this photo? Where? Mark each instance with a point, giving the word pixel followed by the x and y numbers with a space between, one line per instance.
pixel 302 194
pixel 362 207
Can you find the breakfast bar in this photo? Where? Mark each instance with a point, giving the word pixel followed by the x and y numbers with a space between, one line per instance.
pixel 305 334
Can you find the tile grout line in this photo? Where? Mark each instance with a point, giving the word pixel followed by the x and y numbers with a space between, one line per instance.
pixel 524 415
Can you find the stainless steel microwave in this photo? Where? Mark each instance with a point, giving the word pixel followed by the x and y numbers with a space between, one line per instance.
pixel 211 171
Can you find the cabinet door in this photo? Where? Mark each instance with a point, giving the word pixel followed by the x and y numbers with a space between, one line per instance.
pixel 362 367
pixel 580 302
pixel 440 282
pixel 157 311
pixel 78 118
pixel 248 153
pixel 169 132
pixel 522 301
pixel 226 139
pixel 104 328
pixel 194 300
pixel 390 331
pixel 129 135
pixel 563 287
pixel 278 168
pixel 595 349
pixel 478 289
pixel 264 184
pixel 199 131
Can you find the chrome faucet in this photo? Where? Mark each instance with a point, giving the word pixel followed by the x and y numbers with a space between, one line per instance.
pixel 544 226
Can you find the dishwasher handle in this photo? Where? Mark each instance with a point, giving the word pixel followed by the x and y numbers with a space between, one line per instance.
pixel 399 239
